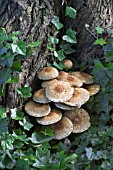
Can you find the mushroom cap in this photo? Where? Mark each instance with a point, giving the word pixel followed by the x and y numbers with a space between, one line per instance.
pixel 48 73
pixel 64 106
pixel 59 91
pixel 44 84
pixel 93 89
pixel 54 116
pixel 79 97
pixel 36 109
pixel 72 80
pixel 80 119
pixel 63 128
pixel 84 77
pixel 68 64
pixel 40 96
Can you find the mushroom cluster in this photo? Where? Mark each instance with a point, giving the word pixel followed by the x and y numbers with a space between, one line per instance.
pixel 58 103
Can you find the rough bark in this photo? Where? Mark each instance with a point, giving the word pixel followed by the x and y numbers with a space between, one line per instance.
pixel 32 18
pixel 94 13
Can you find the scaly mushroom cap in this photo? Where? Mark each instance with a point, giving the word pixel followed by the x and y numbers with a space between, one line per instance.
pixel 79 97
pixel 36 109
pixel 44 84
pixel 72 80
pixel 80 119
pixel 63 128
pixel 68 64
pixel 59 91
pixel 40 96
pixel 54 116
pixel 92 89
pixel 64 106
pixel 84 77
pixel 48 73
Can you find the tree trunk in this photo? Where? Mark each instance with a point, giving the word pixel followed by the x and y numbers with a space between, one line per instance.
pixel 32 18
pixel 93 13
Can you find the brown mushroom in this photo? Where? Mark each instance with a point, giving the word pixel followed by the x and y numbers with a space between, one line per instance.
pixel 37 110
pixel 63 128
pixel 79 97
pixel 54 116
pixel 59 91
pixel 46 83
pixel 68 64
pixel 84 77
pixel 64 106
pixel 48 73
pixel 80 119
pixel 72 80
pixel 92 89
pixel 40 96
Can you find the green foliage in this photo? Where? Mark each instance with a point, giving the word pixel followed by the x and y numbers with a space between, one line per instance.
pixel 99 30
pixel 71 12
pixel 70 36
pixel 100 41
pixel 68 39
pixel 12 51
pixel 56 22
pixel 24 92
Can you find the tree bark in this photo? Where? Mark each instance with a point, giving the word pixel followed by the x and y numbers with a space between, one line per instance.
pixel 32 18
pixel 93 13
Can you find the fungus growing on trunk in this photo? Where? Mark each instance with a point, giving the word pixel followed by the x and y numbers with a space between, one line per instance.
pixel 37 110
pixel 48 73
pixel 80 119
pixel 54 116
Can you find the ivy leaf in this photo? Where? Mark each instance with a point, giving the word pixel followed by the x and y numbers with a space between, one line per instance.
pixel 24 92
pixel 7 60
pixel 22 164
pixel 50 48
pixel 19 48
pixel 5 74
pixel 8 161
pixel 3 50
pixel 60 55
pixel 3 112
pixel 48 132
pixel 71 158
pixel 99 30
pixel 7 141
pixel 89 153
pixel 70 36
pixel 16 66
pixel 71 12
pixel 100 41
pixel 18 134
pixel 36 138
pixel 53 40
pixel 59 65
pixel 12 80
pixel 56 22
pixel 22 46
pixel 26 123
pixel 16 49
pixel 35 44
pixel 98 64
pixel 67 48
pixel 16 115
